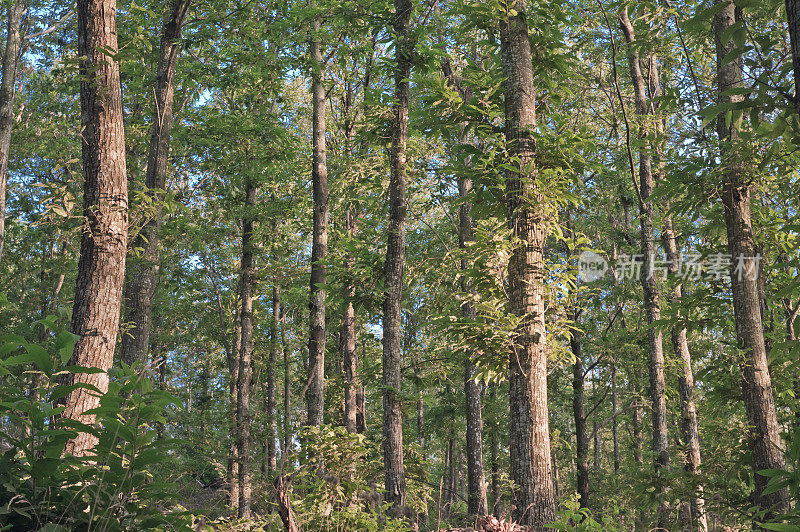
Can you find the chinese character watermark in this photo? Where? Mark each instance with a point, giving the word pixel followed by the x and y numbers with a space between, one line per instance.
pixel 691 266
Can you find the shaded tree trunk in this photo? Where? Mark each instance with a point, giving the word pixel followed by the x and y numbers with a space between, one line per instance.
pixel 528 218
pixel 245 373
pixel 142 274
pixel 476 479
pixel 736 189
pixel 644 110
pixel 287 390
pixel 315 396
pixel 579 413
pixel 101 267
pixel 7 95
pixel 272 427
pixel 793 17
pixel 348 339
pixel 394 266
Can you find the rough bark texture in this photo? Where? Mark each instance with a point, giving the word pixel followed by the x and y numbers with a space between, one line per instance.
pixel 142 274
pixel 394 470
pixel 793 17
pixel 476 479
pixel 7 94
pixel 530 460
pixel 101 267
pixel 648 279
pixel 579 413
pixel 287 391
pixel 272 427
pixel 689 424
pixel 736 190
pixel 245 374
pixel 348 339
pixel 315 396
pixel 283 494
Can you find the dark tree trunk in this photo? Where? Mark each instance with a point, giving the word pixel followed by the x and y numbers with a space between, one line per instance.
pixel 142 274
pixel 101 268
pixel 614 427
pixel 528 219
pixel 395 482
pixel 287 391
pixel 476 479
pixel 793 17
pixel 348 339
pixel 7 94
pixel 736 189
pixel 579 412
pixel 689 424
pixel 272 428
pixel 315 396
pixel 648 279
pixel 245 373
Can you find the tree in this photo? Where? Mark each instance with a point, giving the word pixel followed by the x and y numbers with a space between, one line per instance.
pixel 142 275
pixel 528 219
pixel 101 268
pixel 319 247
pixel 745 271
pixel 394 265
pixel 7 94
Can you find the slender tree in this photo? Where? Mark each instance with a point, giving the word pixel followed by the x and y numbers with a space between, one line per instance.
pixel 745 272
pixel 142 275
pixel 315 396
pixel 394 266
pixel 528 219
pixel 101 268
pixel 7 94
pixel 655 344
pixel 245 362
pixel 272 427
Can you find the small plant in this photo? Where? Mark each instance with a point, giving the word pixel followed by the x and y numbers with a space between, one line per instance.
pixel 110 488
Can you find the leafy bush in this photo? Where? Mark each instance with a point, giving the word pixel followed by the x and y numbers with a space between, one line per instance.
pixel 41 488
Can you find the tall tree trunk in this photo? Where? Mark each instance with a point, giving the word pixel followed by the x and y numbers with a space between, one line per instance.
pixel 793 17
pixel 394 266
pixel 245 373
pixel 142 274
pixel 272 428
pixel 101 267
pixel 287 391
pixel 7 94
pixel 494 459
pixel 476 479
pixel 614 426
pixel 348 338
pixel 528 219
pixel 579 412
pixel 648 280
pixel 319 247
pixel 736 189
pixel 689 424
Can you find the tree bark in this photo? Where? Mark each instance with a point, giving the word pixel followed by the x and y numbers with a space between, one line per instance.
pixel 142 274
pixel 7 96
pixel 287 391
pixel 394 266
pixel 736 189
pixel 348 339
pixel 315 395
pixel 655 343
pixel 476 479
pixel 528 218
pixel 272 427
pixel 101 267
pixel 245 373
pixel 579 412
pixel 793 17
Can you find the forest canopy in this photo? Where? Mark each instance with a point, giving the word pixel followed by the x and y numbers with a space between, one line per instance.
pixel 497 265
